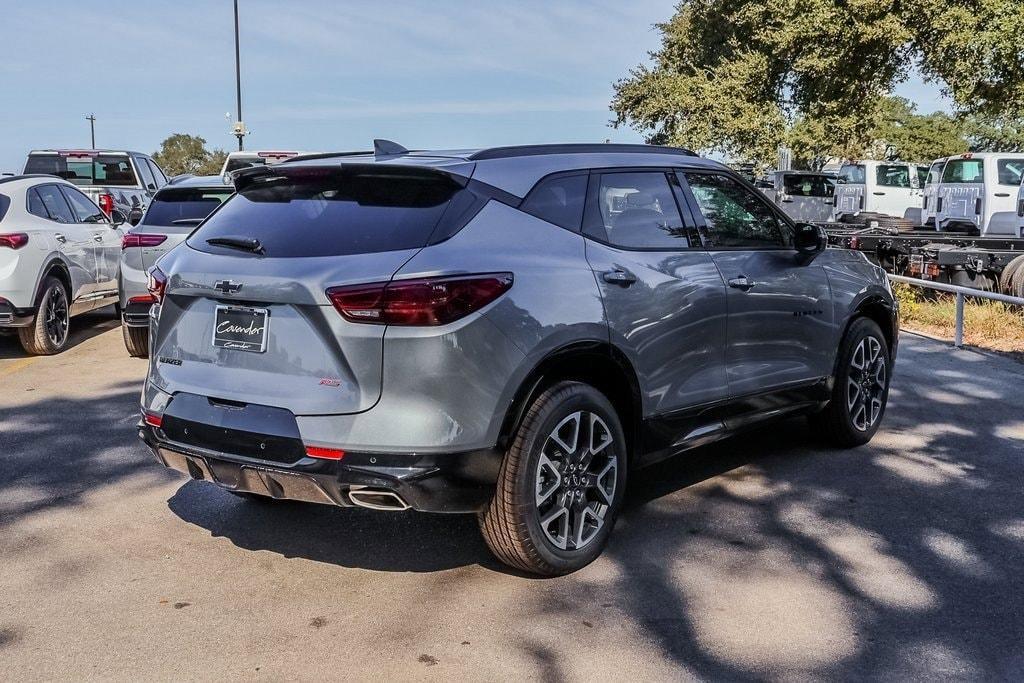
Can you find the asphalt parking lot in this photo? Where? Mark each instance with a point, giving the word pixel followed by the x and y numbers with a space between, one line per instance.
pixel 761 557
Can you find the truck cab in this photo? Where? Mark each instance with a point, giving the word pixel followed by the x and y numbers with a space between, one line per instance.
pixel 930 192
pixel 804 196
pixel 979 193
pixel 239 160
pixel 877 188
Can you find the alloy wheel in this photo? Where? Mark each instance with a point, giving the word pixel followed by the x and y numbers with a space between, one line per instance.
pixel 576 477
pixel 865 384
pixel 56 312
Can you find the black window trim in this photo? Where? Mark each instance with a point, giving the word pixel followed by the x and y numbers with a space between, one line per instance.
pixel 697 239
pixel 48 217
pixel 138 162
pixel 702 226
pixel 65 190
pixel 552 176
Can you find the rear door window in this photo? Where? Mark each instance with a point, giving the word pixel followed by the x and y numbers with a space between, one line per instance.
pixel 892 175
pixel 57 208
pixel 307 213
pixel 35 204
pixel 1010 171
pixel 935 172
pixel 636 210
pixel 736 218
pixel 964 171
pixel 558 200
pixel 148 181
pixel 158 173
pixel 184 206
pixel 85 211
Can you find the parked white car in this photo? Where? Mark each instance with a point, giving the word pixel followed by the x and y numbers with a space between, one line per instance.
pixel 978 193
pixel 930 192
pixel 804 196
pixel 59 256
pixel 879 188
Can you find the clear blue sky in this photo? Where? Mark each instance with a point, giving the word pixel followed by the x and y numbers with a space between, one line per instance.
pixel 322 75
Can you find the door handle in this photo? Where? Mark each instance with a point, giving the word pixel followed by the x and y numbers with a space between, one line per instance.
pixel 1002 194
pixel 878 193
pixel 98 238
pixel 742 282
pixel 618 277
pixel 60 238
pixel 787 201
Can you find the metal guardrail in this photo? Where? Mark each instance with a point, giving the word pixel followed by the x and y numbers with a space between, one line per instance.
pixel 961 294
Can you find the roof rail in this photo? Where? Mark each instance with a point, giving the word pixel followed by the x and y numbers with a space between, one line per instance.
pixel 576 148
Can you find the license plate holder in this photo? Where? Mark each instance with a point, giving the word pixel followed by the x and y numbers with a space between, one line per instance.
pixel 241 328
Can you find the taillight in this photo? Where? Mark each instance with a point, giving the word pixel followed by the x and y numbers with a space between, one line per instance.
pixel 325 453
pixel 157 284
pixel 152 419
pixel 427 301
pixel 139 239
pixel 106 202
pixel 13 240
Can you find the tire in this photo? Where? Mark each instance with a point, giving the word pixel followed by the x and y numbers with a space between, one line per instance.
pixel 49 333
pixel 851 419
pixel 539 479
pixel 1007 284
pixel 136 340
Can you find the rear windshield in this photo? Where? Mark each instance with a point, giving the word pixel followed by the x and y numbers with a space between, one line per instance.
pixel 852 174
pixel 335 215
pixel 1010 171
pixel 85 170
pixel 184 205
pixel 892 175
pixel 808 185
pixel 964 171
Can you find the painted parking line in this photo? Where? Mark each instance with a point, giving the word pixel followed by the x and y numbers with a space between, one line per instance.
pixel 17 365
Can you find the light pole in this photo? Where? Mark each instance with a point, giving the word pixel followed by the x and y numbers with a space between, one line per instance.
pixel 91 118
pixel 239 126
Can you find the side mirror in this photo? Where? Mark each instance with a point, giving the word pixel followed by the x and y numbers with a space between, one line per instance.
pixel 117 218
pixel 809 241
pixel 135 216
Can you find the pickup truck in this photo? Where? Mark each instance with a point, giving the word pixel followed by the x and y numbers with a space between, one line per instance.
pixel 114 179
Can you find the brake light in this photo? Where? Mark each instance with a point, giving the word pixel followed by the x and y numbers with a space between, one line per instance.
pixel 139 239
pixel 13 240
pixel 157 284
pixel 152 419
pixel 142 299
pixel 427 301
pixel 106 202
pixel 325 453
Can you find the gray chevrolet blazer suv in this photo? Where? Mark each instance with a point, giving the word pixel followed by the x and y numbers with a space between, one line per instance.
pixel 505 331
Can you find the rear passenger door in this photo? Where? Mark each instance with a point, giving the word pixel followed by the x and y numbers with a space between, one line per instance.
pixel 664 299
pixel 106 239
pixel 780 329
pixel 71 238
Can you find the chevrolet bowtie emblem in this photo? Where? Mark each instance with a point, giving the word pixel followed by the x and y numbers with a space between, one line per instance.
pixel 227 286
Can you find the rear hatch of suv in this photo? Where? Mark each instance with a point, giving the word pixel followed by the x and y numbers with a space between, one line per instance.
pixel 245 316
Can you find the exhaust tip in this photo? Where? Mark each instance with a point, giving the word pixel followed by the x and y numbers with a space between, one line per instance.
pixel 377 499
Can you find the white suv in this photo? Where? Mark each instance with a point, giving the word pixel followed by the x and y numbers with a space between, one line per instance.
pixel 59 256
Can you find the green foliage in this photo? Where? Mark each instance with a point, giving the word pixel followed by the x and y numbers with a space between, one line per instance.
pixel 183 153
pixel 742 77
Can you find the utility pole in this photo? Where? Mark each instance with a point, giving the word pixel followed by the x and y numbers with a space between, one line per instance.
pixel 91 118
pixel 239 126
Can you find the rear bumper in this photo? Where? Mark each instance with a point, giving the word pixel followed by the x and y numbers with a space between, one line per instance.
pixel 16 317
pixel 136 314
pixel 453 482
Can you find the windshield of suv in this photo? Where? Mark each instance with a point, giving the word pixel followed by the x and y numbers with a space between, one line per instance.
pixel 964 171
pixel 1010 171
pixel 851 174
pixel 334 215
pixel 85 170
pixel 184 205
pixel 805 185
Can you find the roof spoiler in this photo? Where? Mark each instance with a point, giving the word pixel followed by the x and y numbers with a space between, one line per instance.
pixel 247 177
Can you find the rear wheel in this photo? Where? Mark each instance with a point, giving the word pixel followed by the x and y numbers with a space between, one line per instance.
pixel 861 389
pixel 1010 282
pixel 49 333
pixel 561 483
pixel 136 340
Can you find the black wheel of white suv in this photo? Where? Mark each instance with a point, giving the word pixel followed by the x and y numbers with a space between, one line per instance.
pixel 861 389
pixel 49 333
pixel 561 483
pixel 136 340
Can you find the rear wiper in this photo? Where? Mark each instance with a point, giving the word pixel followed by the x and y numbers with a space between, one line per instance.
pixel 244 243
pixel 187 221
